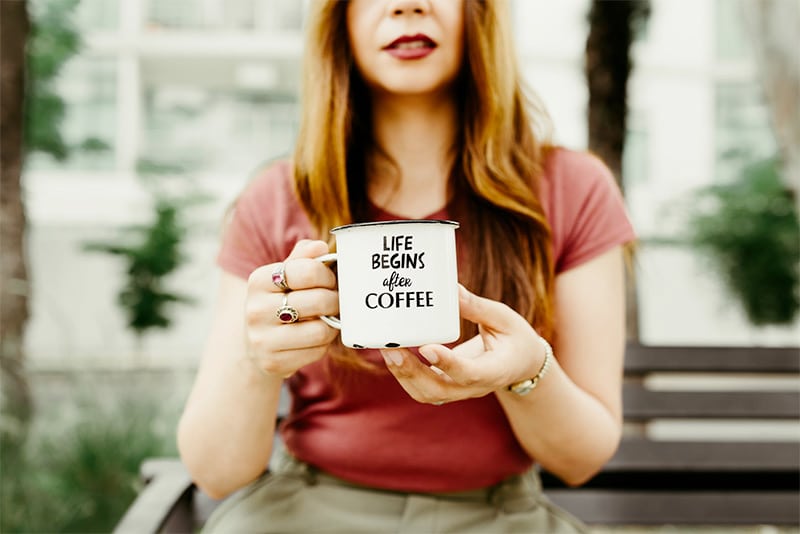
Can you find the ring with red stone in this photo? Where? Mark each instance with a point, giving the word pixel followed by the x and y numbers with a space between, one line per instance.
pixel 287 314
pixel 279 278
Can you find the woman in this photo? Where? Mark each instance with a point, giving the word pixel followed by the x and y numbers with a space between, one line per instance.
pixel 414 109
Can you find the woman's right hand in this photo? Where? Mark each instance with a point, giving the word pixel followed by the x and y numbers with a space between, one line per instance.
pixel 279 349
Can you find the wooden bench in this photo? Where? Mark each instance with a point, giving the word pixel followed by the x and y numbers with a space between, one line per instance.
pixel 651 480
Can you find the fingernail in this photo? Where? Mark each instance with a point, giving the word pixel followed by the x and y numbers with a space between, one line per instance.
pixel 429 355
pixel 393 356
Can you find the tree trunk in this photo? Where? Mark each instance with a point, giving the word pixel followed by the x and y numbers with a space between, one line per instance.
pixel 612 28
pixel 773 26
pixel 14 287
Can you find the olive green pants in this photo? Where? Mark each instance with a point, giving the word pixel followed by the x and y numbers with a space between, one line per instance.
pixel 298 498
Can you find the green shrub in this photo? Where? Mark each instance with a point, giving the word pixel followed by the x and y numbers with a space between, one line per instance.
pixel 151 252
pixel 83 479
pixel 750 232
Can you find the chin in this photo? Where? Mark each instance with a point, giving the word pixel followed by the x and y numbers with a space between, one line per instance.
pixel 409 84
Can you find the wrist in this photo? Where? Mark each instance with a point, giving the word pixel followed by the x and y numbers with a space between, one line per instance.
pixel 257 374
pixel 523 387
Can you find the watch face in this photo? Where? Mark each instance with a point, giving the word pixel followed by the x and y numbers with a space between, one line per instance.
pixel 524 387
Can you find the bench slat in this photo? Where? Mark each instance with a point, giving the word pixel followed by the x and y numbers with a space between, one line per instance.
pixel 642 359
pixel 641 403
pixel 639 454
pixel 685 507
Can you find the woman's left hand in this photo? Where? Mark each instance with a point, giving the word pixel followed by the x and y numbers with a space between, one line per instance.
pixel 505 351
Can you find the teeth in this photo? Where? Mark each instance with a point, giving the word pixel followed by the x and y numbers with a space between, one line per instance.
pixel 412 44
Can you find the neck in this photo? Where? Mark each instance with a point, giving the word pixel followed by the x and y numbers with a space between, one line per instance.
pixel 416 136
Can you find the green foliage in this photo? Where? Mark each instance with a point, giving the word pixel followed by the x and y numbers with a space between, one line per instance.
pixel 152 252
pixel 92 144
pixel 53 41
pixel 151 167
pixel 749 230
pixel 84 479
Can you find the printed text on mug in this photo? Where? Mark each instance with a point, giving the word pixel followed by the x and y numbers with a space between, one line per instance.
pixel 398 253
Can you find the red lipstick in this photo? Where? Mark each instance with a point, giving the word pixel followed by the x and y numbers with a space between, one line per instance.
pixel 415 46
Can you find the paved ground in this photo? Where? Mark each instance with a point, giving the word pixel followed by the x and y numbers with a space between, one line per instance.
pixel 688 529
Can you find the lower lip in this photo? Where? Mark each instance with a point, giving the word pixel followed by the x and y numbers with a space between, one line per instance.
pixel 410 53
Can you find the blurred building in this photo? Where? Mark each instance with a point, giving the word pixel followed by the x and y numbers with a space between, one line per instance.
pixel 206 89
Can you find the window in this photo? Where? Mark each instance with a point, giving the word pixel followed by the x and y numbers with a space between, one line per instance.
pixel 215 130
pixel 225 14
pixel 97 15
pixel 731 39
pixel 267 123
pixel 175 14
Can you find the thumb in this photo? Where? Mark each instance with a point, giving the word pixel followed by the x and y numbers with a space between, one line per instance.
pixel 488 313
pixel 306 248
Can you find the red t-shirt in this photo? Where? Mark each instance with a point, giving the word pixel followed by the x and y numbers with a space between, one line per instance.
pixel 366 428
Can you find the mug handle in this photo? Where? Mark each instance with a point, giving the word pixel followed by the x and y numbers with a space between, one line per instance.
pixel 333 322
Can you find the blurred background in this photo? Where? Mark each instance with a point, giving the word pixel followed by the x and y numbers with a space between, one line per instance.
pixel 145 118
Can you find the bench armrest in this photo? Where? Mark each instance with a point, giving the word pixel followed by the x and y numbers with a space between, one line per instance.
pixel 165 499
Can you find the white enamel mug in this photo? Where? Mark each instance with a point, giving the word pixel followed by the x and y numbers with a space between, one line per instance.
pixel 398 283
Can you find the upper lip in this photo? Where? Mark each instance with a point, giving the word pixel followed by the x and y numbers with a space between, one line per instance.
pixel 410 38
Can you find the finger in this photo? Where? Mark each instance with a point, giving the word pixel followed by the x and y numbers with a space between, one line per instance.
pixel 295 336
pixel 421 382
pixel 309 303
pixel 463 371
pixel 471 348
pixel 261 278
pixel 299 273
pixel 305 273
pixel 486 312
pixel 306 248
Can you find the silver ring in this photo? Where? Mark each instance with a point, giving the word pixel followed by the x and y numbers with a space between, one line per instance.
pixel 279 277
pixel 287 314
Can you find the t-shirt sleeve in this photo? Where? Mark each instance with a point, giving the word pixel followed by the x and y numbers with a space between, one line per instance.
pixel 592 214
pixel 263 225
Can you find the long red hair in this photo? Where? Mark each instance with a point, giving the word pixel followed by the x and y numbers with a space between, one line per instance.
pixel 500 155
